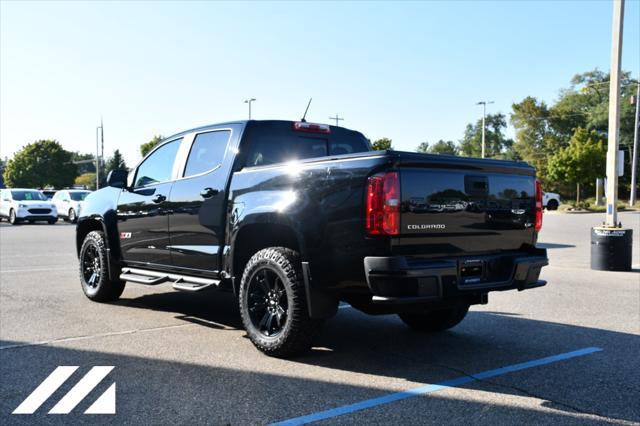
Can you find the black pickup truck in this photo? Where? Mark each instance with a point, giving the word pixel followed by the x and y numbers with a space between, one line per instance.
pixel 295 217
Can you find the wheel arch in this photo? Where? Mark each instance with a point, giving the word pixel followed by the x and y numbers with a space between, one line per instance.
pixel 253 237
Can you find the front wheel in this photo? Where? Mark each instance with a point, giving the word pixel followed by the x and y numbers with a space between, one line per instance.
pixel 552 205
pixel 437 319
pixel 273 303
pixel 72 216
pixel 94 273
pixel 13 219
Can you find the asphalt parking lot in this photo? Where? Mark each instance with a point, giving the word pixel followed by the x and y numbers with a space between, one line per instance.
pixel 571 349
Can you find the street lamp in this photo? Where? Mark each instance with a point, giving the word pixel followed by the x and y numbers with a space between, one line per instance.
pixel 484 113
pixel 248 101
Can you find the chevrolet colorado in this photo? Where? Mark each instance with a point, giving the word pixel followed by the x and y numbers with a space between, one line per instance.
pixel 294 217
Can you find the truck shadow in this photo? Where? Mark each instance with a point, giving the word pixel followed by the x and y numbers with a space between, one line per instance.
pixel 605 383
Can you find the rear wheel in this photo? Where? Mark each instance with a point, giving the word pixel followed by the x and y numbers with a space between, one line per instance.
pixel 273 303
pixel 437 319
pixel 552 205
pixel 94 273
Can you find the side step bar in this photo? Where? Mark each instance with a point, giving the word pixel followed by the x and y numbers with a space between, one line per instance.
pixel 180 282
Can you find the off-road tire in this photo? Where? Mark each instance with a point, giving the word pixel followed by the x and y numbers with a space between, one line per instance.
pixel 102 289
pixel 299 331
pixel 437 319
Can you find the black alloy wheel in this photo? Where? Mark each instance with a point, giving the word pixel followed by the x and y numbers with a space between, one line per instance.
pixel 91 267
pixel 267 302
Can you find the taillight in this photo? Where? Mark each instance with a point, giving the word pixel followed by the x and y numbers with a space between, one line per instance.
pixel 383 204
pixel 303 126
pixel 538 225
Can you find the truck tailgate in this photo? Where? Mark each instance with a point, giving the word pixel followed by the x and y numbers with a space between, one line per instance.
pixel 464 206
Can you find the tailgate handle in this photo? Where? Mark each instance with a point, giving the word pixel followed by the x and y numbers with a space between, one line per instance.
pixel 476 185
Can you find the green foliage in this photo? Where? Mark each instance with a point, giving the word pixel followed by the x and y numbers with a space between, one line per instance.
pixel 116 162
pixel 87 180
pixel 535 141
pixel 146 147
pixel 440 147
pixel 496 144
pixel 40 164
pixel 89 166
pixel 382 144
pixel 542 131
pixel 581 162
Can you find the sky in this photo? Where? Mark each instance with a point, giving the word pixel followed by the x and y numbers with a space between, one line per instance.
pixel 410 71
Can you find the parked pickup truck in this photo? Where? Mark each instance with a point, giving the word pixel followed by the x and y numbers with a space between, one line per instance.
pixel 296 217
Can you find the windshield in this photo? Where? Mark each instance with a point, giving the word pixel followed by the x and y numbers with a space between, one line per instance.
pixel 28 196
pixel 79 196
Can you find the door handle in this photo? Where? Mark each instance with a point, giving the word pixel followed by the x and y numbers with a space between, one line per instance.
pixel 159 198
pixel 208 192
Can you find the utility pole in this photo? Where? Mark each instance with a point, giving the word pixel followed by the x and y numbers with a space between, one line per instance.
pixel 634 161
pixel 614 115
pixel 248 101
pixel 337 118
pixel 99 131
pixel 484 114
pixel 611 244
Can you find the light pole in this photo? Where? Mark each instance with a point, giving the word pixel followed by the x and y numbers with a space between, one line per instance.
pixel 248 101
pixel 99 132
pixel 484 114
pixel 634 161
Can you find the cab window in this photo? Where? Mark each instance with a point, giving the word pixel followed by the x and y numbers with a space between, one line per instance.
pixel 207 152
pixel 158 166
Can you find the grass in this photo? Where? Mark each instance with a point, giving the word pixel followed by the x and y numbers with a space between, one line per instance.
pixel 589 205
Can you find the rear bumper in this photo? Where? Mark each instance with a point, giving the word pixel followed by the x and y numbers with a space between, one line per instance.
pixel 410 280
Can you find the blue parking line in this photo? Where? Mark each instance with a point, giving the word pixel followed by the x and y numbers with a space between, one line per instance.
pixel 369 403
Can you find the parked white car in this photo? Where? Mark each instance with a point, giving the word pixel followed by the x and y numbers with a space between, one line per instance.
pixel 69 203
pixel 550 200
pixel 18 205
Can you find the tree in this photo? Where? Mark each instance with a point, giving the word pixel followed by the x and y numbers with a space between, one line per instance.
pixel 581 162
pixel 382 144
pixel 145 148
pixel 84 167
pixel 585 104
pixel 88 180
pixel 440 147
pixel 497 145
pixel 40 164
pixel 3 165
pixel 535 141
pixel 116 162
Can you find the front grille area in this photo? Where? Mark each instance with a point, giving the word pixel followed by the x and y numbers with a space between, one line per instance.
pixel 39 211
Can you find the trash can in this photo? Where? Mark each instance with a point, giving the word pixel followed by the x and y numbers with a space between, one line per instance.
pixel 611 248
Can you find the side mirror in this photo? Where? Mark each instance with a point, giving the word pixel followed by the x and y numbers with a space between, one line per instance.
pixel 117 178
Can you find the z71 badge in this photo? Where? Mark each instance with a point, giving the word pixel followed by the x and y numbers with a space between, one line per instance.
pixel 125 235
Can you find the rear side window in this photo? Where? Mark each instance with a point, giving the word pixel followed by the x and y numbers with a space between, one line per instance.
pixel 272 142
pixel 207 152
pixel 159 165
